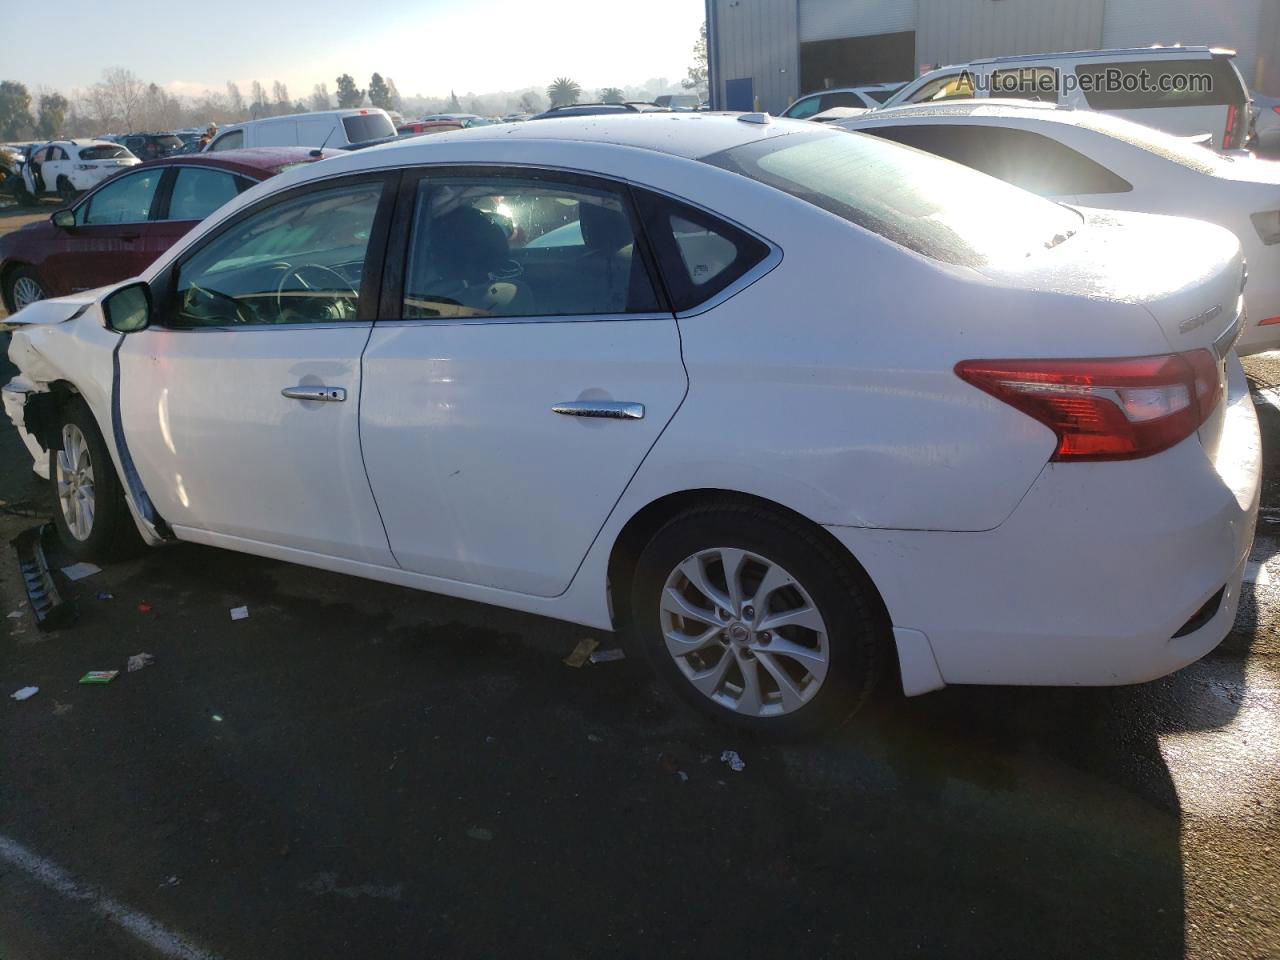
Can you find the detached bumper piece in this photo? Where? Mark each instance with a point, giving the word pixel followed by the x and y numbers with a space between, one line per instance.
pixel 51 610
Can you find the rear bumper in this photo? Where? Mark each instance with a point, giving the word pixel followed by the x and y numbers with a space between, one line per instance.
pixel 1091 577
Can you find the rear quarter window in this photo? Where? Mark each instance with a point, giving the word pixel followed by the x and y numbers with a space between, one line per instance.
pixel 1151 84
pixel 368 126
pixel 931 206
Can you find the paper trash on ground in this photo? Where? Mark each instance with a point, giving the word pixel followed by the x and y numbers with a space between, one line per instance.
pixel 239 613
pixel 140 660
pixel 581 653
pixel 735 762
pixel 100 676
pixel 26 693
pixel 608 656
pixel 78 571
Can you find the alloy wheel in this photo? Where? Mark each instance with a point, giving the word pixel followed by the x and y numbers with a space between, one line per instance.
pixel 26 291
pixel 744 632
pixel 75 482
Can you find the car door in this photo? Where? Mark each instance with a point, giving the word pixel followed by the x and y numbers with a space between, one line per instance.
pixel 522 367
pixel 240 405
pixel 57 164
pixel 108 242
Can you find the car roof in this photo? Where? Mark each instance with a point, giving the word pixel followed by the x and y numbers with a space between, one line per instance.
pixel 1016 112
pixel 345 112
pixel 1194 51
pixel 256 162
pixel 689 135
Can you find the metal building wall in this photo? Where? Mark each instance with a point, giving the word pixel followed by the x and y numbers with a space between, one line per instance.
pixel 956 31
pixel 758 39
pixel 1225 23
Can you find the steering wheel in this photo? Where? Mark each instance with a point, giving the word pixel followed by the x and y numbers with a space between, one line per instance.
pixel 298 272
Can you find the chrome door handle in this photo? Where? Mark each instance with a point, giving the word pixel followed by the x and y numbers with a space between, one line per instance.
pixel 609 409
pixel 323 394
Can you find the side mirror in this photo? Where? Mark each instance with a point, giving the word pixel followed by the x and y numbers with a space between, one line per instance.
pixel 128 309
pixel 64 219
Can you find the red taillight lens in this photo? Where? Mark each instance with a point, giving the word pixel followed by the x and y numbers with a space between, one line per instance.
pixel 1107 409
pixel 1269 321
pixel 1276 109
pixel 1228 137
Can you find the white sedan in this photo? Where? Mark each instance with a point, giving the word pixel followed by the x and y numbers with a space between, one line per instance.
pixel 1099 160
pixel 794 408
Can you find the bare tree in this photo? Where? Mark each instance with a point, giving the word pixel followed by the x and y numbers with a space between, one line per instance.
pixel 98 107
pixel 259 105
pixel 235 102
pixel 281 93
pixel 320 97
pixel 126 92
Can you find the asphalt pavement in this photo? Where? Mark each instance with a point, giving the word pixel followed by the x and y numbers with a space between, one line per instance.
pixel 359 770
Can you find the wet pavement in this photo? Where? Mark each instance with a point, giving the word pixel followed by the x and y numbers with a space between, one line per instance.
pixel 358 770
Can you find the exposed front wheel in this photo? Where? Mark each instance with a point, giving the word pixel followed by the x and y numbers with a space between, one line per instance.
pixel 91 516
pixel 66 191
pixel 756 619
pixel 23 287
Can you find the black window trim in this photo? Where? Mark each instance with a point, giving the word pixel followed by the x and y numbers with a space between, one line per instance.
pixel 390 312
pixel 164 285
pixel 671 261
pixel 86 201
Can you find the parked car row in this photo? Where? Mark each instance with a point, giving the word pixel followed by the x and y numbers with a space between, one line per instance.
pixel 794 408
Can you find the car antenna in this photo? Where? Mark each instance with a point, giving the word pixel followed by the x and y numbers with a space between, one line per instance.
pixel 318 152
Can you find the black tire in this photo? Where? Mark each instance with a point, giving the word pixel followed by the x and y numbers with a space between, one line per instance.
pixel 857 629
pixel 26 198
pixel 11 282
pixel 66 191
pixel 111 532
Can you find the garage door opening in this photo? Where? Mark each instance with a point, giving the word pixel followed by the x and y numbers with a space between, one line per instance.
pixel 852 61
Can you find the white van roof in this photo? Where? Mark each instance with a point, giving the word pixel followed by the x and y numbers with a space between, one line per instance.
pixel 347 112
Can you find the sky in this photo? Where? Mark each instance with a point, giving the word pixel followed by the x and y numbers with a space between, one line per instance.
pixel 428 47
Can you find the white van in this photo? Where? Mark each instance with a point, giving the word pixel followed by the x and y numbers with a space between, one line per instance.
pixel 327 128
pixel 1186 91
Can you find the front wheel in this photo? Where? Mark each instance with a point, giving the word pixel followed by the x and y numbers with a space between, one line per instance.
pixel 757 620
pixel 66 191
pixel 91 516
pixel 22 287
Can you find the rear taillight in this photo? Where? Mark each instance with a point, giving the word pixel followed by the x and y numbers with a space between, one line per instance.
pixel 1229 136
pixel 1107 409
pixel 1276 109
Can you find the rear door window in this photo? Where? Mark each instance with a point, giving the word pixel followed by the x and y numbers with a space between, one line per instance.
pixel 1025 159
pixel 229 141
pixel 700 255
pixel 198 192
pixel 804 108
pixel 1149 84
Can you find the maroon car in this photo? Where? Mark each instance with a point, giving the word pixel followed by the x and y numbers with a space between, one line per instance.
pixel 120 227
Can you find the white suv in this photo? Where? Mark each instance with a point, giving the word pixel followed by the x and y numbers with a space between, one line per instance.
pixel 1186 91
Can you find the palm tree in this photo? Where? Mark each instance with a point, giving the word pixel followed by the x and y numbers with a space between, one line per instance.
pixel 611 95
pixel 563 92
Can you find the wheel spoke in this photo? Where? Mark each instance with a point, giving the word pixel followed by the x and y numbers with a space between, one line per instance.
pixel 732 560
pixel 792 696
pixel 710 681
pixel 805 616
pixel 680 645
pixel 87 504
pixel 774 578
pixel 675 602
pixel 692 569
pixel 751 699
pixel 815 661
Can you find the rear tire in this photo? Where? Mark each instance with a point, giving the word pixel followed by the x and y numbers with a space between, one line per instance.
pixel 66 191
pixel 791 645
pixel 90 513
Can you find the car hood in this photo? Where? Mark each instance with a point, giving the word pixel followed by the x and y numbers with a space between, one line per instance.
pixel 52 312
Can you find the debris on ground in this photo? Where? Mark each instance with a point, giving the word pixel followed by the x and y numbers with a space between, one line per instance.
pixel 16 614
pixel 106 595
pixel 582 652
pixel 595 738
pixel 26 693
pixel 216 717
pixel 735 762
pixel 479 833
pixel 100 676
pixel 61 709
pixel 671 766
pixel 239 613
pixel 144 607
pixel 140 660
pixel 78 571
pixel 170 882
pixel 608 656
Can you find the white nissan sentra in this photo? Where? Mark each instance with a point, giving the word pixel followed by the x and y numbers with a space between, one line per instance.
pixel 796 408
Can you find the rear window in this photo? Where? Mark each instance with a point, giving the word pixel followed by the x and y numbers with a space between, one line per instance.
pixel 167 141
pixel 932 206
pixel 368 126
pixel 104 153
pixel 1150 84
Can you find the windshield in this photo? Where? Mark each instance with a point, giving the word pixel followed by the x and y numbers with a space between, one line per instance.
pixel 935 207
pixel 368 126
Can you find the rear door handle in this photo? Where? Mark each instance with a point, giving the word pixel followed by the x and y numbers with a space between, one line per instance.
pixel 323 394
pixel 609 409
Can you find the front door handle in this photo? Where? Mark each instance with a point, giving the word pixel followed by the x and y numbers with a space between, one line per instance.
pixel 609 409
pixel 323 394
